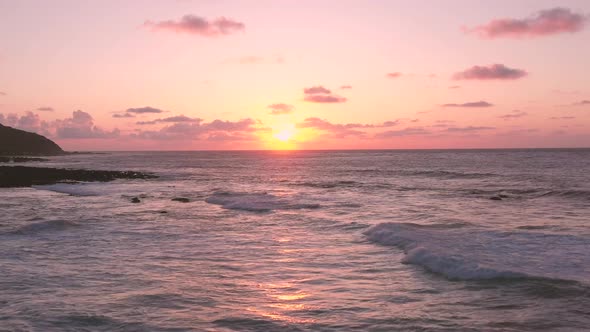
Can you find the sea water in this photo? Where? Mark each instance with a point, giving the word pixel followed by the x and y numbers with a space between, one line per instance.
pixel 474 240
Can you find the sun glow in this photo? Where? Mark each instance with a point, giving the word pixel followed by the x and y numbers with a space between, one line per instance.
pixel 285 134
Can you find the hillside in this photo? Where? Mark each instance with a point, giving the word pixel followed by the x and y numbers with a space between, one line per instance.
pixel 19 142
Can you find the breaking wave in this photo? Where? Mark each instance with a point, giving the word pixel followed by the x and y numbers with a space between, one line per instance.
pixel 44 226
pixel 77 189
pixel 258 202
pixel 476 254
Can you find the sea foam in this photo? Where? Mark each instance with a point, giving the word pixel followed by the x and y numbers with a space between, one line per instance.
pixel 479 254
pixel 258 202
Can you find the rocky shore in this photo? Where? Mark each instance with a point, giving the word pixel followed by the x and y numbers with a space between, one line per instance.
pixel 22 176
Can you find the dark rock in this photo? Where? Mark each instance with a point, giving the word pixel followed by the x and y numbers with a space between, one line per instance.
pixel 181 199
pixel 20 142
pixel 135 200
pixel 496 198
pixel 22 176
pixel 163 211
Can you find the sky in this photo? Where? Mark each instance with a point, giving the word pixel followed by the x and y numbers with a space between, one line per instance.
pixel 220 74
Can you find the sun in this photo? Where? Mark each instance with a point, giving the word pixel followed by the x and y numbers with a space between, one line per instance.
pixel 285 134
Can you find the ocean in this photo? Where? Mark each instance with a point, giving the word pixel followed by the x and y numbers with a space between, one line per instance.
pixel 449 240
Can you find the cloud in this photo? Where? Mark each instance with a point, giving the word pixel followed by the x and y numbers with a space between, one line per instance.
pixel 544 23
pixel 124 115
pixel 2 93
pixel 582 103
pixel 443 123
pixel 29 122
pixel 45 109
pixel 325 99
pixel 343 87
pixel 562 118
pixel 474 104
pixel 410 131
pixel 468 129
pixel 319 94
pixel 198 26
pixel 214 130
pixel 455 87
pixel 393 75
pixel 278 109
pixel 514 115
pixel 316 90
pixel 173 119
pixel 81 126
pixel 144 110
pixel 492 72
pixel 343 130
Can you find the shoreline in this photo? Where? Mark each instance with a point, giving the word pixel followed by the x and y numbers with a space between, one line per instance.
pixel 24 176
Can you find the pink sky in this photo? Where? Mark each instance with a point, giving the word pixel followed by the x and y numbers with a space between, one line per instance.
pixel 214 74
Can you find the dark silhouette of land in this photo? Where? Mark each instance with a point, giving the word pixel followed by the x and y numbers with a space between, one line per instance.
pixel 20 142
pixel 14 144
pixel 22 176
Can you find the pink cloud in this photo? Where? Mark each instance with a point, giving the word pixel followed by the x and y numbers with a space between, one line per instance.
pixel 394 75
pixel 124 115
pixel 316 90
pixel 81 126
pixel 319 94
pixel 470 104
pixel 144 110
pixel 513 115
pixel 199 26
pixel 491 72
pixel 582 103
pixel 337 130
pixel 278 109
pixel 562 118
pixel 468 129
pixel 45 109
pixel 346 87
pixel 173 119
pixel 214 130
pixel 410 131
pixel 544 23
pixel 325 99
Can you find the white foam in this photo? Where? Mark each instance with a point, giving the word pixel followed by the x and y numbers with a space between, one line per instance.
pixel 479 254
pixel 258 202
pixel 81 189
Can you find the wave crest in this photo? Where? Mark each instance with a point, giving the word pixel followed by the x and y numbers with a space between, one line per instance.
pixel 476 254
pixel 258 202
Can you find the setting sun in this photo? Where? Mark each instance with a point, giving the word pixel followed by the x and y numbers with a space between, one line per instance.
pixel 285 134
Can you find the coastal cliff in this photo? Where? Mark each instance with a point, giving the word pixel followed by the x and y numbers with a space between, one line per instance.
pixel 20 142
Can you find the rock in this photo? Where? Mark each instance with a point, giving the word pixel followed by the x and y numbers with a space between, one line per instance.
pixel 181 199
pixel 496 198
pixel 135 200
pixel 163 211
pixel 22 176
pixel 20 142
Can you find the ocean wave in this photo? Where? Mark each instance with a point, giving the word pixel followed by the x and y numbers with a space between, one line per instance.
pixel 258 202
pixel 477 254
pixel 77 189
pixel 330 184
pixel 531 193
pixel 44 226
pixel 449 175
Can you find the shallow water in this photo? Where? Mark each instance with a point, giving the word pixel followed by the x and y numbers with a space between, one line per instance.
pixel 303 241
